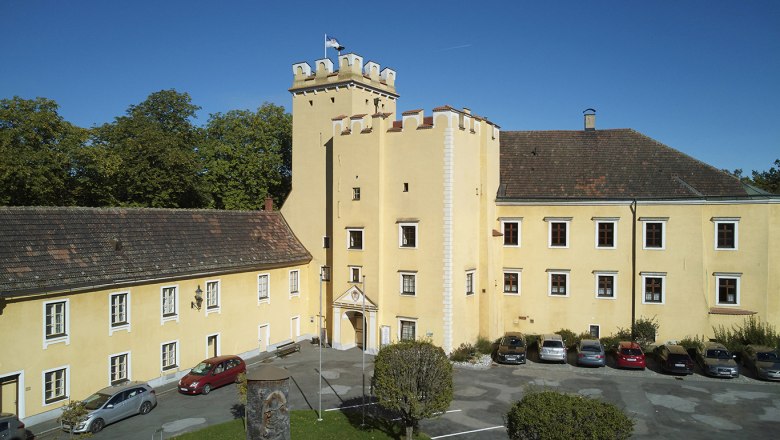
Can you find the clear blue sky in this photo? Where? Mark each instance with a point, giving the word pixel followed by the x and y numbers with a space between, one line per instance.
pixel 700 76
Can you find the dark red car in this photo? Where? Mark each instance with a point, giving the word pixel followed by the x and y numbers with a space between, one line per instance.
pixel 630 355
pixel 212 373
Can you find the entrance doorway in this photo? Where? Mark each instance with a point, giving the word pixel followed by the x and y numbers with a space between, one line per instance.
pixel 212 345
pixel 359 324
pixel 9 394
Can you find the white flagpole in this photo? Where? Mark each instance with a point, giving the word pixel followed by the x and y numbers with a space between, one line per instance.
pixel 326 46
pixel 364 350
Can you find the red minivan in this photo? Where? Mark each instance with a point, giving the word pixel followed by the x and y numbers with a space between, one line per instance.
pixel 212 373
pixel 630 355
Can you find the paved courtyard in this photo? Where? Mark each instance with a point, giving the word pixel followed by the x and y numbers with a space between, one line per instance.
pixel 692 407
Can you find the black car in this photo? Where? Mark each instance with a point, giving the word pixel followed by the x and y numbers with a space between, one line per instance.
pixel 674 359
pixel 511 349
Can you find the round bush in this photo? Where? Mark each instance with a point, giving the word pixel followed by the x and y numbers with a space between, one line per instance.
pixel 549 415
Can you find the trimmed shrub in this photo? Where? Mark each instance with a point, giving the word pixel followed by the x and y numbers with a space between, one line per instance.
pixel 610 342
pixel 463 353
pixel 484 345
pixel 691 343
pixel 645 330
pixel 752 331
pixel 549 415
pixel 568 336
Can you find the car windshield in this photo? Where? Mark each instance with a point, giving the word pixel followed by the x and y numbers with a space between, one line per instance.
pixel 767 356
pixel 631 351
pixel 95 401
pixel 593 348
pixel 553 344
pixel 201 369
pixel 514 342
pixel 718 354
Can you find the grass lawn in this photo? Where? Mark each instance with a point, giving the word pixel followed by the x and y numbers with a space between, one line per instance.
pixel 336 425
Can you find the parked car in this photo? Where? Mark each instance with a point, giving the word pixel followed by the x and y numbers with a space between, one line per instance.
pixel 551 348
pixel 511 348
pixel 765 361
pixel 212 373
pixel 716 360
pixel 629 355
pixel 115 403
pixel 11 428
pixel 590 352
pixel 674 359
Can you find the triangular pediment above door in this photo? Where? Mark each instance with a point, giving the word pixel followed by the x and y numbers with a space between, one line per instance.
pixel 353 299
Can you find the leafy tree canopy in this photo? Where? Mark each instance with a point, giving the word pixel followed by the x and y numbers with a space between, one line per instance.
pixel 768 180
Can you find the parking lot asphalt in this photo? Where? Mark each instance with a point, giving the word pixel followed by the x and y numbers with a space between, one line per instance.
pixel 663 406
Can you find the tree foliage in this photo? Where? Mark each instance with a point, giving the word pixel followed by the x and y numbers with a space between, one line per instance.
pixel 768 180
pixel 413 378
pixel 36 151
pixel 549 415
pixel 73 413
pixel 246 157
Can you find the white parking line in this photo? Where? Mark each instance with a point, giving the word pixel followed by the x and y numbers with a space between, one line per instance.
pixel 467 432
pixel 348 407
pixel 435 414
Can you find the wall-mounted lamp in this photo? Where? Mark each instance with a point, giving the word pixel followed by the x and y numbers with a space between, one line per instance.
pixel 198 298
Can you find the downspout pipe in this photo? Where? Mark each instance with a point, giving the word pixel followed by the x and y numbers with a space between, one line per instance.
pixel 633 270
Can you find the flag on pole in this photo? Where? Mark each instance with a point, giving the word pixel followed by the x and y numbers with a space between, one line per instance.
pixel 332 42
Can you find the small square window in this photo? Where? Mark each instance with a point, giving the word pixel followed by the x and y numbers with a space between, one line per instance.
pixel 169 355
pixel 407 330
pixel 654 235
pixel 119 368
pixel 605 234
pixel 56 322
pixel 355 193
pixel 407 235
pixel 408 284
pixel 728 289
pixel 558 232
pixel 559 284
pixel 594 331
pixel 354 274
pixel 511 231
pixel 355 239
pixel 326 242
pixel 512 282
pixel 170 307
pixel 654 289
pixel 726 234
pixel 406 187
pixel 605 285
pixel 55 385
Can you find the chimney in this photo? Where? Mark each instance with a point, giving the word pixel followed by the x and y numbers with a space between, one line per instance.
pixel 467 110
pixel 590 119
pixel 269 204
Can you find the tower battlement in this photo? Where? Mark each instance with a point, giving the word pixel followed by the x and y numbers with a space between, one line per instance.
pixel 351 71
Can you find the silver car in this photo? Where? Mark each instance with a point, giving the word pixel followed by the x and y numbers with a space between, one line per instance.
pixel 551 348
pixel 765 361
pixel 590 352
pixel 716 360
pixel 115 403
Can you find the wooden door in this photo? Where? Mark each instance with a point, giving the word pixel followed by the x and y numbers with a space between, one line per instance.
pixel 9 394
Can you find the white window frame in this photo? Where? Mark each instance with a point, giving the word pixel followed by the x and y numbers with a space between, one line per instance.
pixel 218 307
pixel 606 273
pixel 65 385
pixel 175 315
pixel 401 275
pixel 567 222
pixel 401 227
pixel 400 319
pixel 726 275
pixel 598 330
pixel 472 274
pixel 294 282
pixel 123 326
pixel 664 225
pixel 350 278
pixel 614 221
pixel 717 221
pixel 64 337
pixel 175 365
pixel 356 193
pixel 662 276
pixel 267 299
pixel 519 222
pixel 128 375
pixel 362 239
pixel 519 274
pixel 550 274
pixel 218 342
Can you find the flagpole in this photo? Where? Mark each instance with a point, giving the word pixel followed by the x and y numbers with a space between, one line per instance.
pixel 364 351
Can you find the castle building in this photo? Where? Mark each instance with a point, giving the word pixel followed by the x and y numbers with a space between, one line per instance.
pixel 430 225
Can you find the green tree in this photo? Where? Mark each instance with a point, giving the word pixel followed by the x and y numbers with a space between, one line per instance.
pixel 413 378
pixel 768 180
pixel 247 157
pixel 36 146
pixel 150 154
pixel 74 413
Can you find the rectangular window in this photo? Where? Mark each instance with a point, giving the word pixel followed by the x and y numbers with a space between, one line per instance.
pixel 726 233
pixel 558 232
pixel 511 230
pixel 55 385
pixel 512 282
pixel 119 309
pixel 170 308
pixel 594 331
pixel 354 239
pixel 56 319
pixel 605 234
pixel 558 283
pixel 605 285
pixel 355 193
pixel 654 234
pixel 407 330
pixel 294 283
pixel 263 290
pixel 326 242
pixel 119 368
pixel 169 355
pixel 470 283
pixel 408 283
pixel 355 274
pixel 728 289
pixel 407 235
pixel 654 289
pixel 212 295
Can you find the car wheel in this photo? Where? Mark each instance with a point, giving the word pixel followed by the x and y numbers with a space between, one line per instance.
pixel 206 389
pixel 97 426
pixel 146 407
